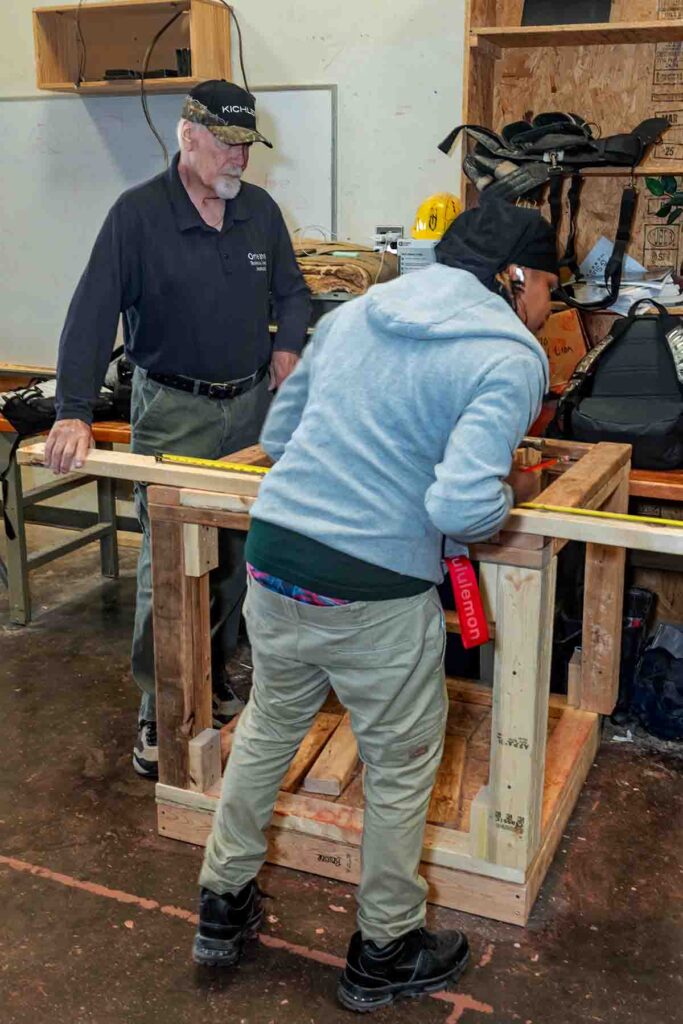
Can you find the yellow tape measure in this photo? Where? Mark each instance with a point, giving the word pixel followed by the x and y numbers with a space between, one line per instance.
pixel 233 467
pixel 621 516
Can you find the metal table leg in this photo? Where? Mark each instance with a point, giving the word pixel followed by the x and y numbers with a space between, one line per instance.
pixel 106 508
pixel 17 563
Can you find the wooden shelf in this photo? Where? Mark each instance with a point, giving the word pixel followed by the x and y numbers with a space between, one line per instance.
pixel 125 87
pixel 605 33
pixel 122 6
pixel 643 171
pixel 71 42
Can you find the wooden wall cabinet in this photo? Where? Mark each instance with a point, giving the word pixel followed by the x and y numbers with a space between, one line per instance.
pixel 614 74
pixel 117 35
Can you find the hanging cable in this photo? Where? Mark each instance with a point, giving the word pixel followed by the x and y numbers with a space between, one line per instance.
pixel 143 95
pixel 148 55
pixel 81 45
pixel 239 41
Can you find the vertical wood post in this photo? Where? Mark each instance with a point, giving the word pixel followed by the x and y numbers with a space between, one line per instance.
pixel 182 651
pixel 506 815
pixel 603 603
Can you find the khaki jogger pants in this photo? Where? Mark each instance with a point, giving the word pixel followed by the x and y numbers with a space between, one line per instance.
pixel 384 660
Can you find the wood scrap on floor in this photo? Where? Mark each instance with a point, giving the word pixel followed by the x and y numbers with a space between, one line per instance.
pixel 335 765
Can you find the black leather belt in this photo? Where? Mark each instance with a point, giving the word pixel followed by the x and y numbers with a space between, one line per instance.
pixel 228 389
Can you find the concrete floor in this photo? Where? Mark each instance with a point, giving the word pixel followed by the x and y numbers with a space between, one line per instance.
pixel 97 909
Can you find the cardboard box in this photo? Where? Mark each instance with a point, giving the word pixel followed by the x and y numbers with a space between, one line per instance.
pixel 564 342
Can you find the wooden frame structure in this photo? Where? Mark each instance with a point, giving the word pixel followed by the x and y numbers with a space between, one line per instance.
pixel 21 507
pixel 614 74
pixel 515 757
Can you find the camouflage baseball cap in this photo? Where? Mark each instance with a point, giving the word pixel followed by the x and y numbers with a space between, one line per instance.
pixel 226 110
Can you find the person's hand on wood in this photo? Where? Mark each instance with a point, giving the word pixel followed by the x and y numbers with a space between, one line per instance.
pixel 526 486
pixel 281 365
pixel 67 445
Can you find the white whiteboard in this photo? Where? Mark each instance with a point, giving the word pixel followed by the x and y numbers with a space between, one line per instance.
pixel 64 160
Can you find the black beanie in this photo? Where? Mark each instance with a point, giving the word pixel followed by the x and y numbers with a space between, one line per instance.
pixel 487 239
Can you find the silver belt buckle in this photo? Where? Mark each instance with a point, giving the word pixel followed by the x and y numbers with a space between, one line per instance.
pixel 221 391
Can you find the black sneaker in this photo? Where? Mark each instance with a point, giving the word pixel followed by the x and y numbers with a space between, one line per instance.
pixel 225 705
pixel 146 751
pixel 225 923
pixel 417 963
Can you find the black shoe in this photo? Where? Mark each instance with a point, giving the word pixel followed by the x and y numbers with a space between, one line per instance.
pixel 146 751
pixel 225 705
pixel 225 923
pixel 225 702
pixel 417 963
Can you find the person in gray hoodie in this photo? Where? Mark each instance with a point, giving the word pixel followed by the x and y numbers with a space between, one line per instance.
pixel 392 440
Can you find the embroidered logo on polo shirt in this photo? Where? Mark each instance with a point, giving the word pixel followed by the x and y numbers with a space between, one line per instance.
pixel 258 260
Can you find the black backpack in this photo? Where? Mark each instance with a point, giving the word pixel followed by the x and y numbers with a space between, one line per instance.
pixel 629 389
pixel 529 157
pixel 658 686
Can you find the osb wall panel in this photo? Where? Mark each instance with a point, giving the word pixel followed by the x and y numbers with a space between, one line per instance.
pixel 509 12
pixel 482 13
pixel 637 10
pixel 616 87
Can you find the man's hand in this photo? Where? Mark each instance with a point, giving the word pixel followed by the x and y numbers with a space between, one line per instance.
pixel 281 365
pixel 67 445
pixel 526 486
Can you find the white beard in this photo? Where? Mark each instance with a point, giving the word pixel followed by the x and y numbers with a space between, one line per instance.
pixel 227 187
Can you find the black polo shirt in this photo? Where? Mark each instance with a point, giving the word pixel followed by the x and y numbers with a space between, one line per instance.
pixel 195 300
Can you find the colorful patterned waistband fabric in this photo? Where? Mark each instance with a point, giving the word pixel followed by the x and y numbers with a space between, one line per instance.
pixel 279 586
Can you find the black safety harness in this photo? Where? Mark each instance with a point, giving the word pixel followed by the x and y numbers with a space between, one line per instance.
pixel 529 157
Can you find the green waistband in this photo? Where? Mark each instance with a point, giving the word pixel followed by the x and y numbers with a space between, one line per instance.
pixel 314 566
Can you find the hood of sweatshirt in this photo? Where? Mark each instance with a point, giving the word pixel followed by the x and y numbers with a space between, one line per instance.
pixel 441 303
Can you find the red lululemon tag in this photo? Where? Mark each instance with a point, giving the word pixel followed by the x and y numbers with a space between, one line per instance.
pixel 474 628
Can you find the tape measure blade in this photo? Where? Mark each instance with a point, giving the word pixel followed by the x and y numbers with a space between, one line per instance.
pixel 216 464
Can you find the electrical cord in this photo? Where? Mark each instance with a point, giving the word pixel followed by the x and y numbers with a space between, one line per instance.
pixel 81 47
pixel 239 41
pixel 148 55
pixel 143 95
pixel 381 263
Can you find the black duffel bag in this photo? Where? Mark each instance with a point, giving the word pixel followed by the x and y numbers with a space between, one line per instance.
pixel 31 410
pixel 629 389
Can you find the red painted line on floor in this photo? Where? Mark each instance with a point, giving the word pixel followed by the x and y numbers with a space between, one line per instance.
pixel 74 883
pixel 310 954
pixel 459 1001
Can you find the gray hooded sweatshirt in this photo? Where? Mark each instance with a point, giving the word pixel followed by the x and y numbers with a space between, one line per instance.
pixel 399 425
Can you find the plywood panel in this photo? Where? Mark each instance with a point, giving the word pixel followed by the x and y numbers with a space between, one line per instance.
pixel 668 586
pixel 445 800
pixel 509 12
pixel 464 718
pixel 616 86
pixel 482 12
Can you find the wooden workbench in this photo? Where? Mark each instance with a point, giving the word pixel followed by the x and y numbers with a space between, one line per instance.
pixel 515 756
pixel 83 527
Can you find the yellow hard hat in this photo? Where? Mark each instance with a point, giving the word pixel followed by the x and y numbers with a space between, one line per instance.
pixel 435 215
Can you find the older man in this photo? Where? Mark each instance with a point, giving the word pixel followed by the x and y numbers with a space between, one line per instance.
pixel 192 259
